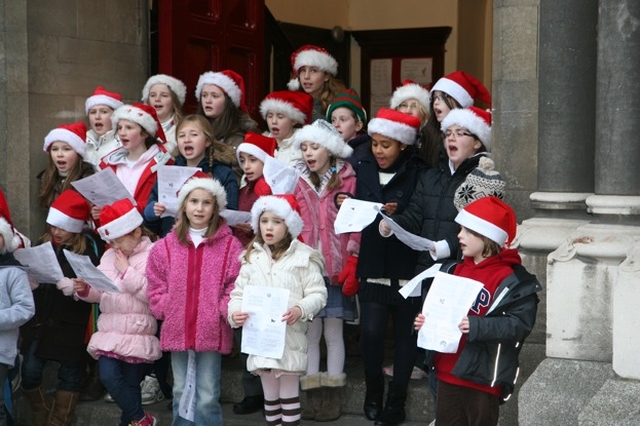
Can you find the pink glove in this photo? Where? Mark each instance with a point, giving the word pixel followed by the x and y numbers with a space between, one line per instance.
pixel 347 277
pixel 65 285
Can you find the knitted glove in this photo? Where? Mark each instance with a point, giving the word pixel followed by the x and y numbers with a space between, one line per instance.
pixel 66 286
pixel 348 277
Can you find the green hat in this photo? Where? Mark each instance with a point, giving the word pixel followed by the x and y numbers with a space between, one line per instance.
pixel 349 99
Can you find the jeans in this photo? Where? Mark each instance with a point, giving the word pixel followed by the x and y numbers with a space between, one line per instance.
pixel 69 373
pixel 208 371
pixel 122 381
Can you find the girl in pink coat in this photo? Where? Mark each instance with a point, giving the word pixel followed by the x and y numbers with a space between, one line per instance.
pixel 324 174
pixel 126 341
pixel 191 273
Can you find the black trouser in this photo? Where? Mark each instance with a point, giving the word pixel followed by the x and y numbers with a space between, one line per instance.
pixel 462 406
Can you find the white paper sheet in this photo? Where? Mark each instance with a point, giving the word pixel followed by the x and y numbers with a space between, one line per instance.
pixel 102 188
pixel 86 270
pixel 187 406
pixel 170 180
pixel 414 288
pixel 234 217
pixel 281 178
pixel 41 262
pixel 355 215
pixel 414 241
pixel 448 301
pixel 264 331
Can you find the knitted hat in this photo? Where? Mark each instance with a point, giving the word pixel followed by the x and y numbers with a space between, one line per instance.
pixel 75 134
pixel 324 134
pixel 349 99
pixel 69 212
pixel 395 125
pixel 144 115
pixel 296 105
pixel 483 181
pixel 118 219
pixel 102 96
pixel 462 87
pixel 475 120
pixel 410 90
pixel 284 206
pixel 11 239
pixel 175 85
pixel 201 180
pixel 257 145
pixel 311 56
pixel 229 81
pixel 490 217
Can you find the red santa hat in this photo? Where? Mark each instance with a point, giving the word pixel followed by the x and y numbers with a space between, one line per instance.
pixel 229 81
pixel 395 125
pixel 284 206
pixel 475 120
pixel 118 219
pixel 257 145
pixel 410 90
pixel 463 87
pixel 296 105
pixel 75 134
pixel 324 134
pixel 69 211
pixel 201 180
pixel 490 217
pixel 11 238
pixel 175 85
pixel 144 115
pixel 102 96
pixel 311 56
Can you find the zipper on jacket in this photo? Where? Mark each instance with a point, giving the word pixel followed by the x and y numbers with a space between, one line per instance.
pixel 193 293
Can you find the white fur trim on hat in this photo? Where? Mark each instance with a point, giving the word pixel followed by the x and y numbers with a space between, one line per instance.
pixel 250 149
pixel 315 58
pixel 137 115
pixel 454 90
pixel 101 100
pixel 482 227
pixel 175 85
pixel 281 208
pixel 324 134
pixel 121 226
pixel 392 129
pixel 286 108
pixel 63 135
pixel 11 240
pixel 222 81
pixel 208 184
pixel 410 91
pixel 466 118
pixel 63 221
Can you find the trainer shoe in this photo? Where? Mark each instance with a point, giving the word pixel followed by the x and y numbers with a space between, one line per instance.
pixel 147 420
pixel 150 390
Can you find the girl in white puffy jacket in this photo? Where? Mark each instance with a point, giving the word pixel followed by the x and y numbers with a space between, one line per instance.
pixel 277 259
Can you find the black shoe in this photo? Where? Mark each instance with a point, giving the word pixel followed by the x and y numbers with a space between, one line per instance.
pixel 250 404
pixel 372 410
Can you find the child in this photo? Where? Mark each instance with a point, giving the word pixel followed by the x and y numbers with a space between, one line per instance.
pixel 314 72
pixel 474 381
pixel 16 301
pixel 350 119
pixel 65 147
pixel 191 272
pixel 101 138
pixel 125 342
pixel 221 99
pixel 285 111
pixel 166 94
pixel 142 149
pixel 197 148
pixel 277 259
pixel 388 176
pixel 323 175
pixel 57 331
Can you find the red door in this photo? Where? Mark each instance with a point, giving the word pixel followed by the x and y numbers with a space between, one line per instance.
pixel 195 36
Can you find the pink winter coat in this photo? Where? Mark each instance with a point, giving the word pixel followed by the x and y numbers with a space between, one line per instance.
pixel 319 212
pixel 189 289
pixel 126 327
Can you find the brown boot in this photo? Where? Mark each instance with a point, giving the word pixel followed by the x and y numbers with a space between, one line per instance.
pixel 332 401
pixel 40 404
pixel 63 408
pixel 311 385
